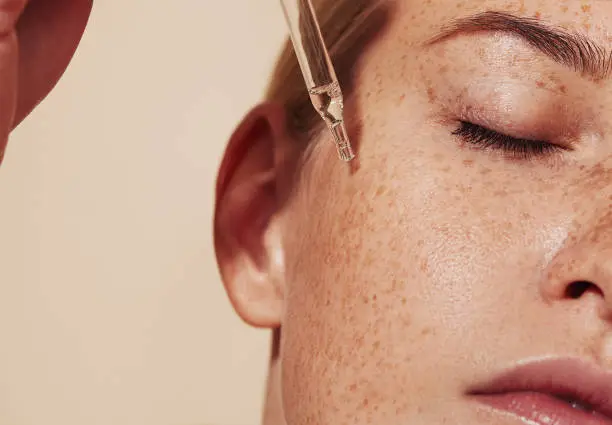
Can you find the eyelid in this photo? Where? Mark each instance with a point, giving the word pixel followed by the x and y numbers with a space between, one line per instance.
pixel 503 133
pixel 515 107
pixel 554 136
pixel 480 138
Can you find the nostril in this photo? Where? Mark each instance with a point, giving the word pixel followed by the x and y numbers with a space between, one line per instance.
pixel 577 289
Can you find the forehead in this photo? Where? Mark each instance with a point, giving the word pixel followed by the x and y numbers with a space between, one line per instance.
pixel 419 20
pixel 403 52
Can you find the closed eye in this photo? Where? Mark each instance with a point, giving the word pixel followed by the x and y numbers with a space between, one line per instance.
pixel 515 148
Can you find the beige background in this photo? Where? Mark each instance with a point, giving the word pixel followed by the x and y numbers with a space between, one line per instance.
pixel 111 309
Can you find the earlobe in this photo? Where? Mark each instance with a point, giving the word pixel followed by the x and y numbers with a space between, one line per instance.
pixel 248 218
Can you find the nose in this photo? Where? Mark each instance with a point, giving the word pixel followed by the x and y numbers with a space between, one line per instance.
pixel 582 269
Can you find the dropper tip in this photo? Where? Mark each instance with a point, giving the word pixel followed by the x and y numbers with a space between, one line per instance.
pixel 343 144
pixel 346 153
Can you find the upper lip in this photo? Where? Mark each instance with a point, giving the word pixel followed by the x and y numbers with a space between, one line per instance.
pixel 571 379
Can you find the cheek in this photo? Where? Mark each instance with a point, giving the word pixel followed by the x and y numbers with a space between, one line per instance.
pixel 396 271
pixel 347 301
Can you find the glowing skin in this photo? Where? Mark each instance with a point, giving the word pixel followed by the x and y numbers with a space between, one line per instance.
pixel 434 265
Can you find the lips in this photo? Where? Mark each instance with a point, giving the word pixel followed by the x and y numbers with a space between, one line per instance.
pixel 553 392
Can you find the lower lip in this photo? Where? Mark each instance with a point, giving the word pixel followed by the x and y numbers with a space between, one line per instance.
pixel 541 409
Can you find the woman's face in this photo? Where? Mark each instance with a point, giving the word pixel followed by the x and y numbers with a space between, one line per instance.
pixel 474 236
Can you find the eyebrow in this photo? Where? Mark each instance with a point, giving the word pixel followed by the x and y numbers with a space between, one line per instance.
pixel 575 51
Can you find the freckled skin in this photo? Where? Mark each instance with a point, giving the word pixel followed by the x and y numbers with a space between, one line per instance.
pixel 435 265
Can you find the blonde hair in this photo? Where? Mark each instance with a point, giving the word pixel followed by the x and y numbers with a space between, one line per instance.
pixel 347 26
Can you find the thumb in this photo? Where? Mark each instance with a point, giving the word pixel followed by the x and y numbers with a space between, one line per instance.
pixel 48 32
pixel 10 10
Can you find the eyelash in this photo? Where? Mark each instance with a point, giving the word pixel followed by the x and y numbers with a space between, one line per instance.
pixel 484 138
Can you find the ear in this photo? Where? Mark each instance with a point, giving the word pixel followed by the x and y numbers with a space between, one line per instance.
pixel 248 216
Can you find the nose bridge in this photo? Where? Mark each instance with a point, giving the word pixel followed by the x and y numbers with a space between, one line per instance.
pixel 586 255
pixel 598 174
pixel 591 197
pixel 593 230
